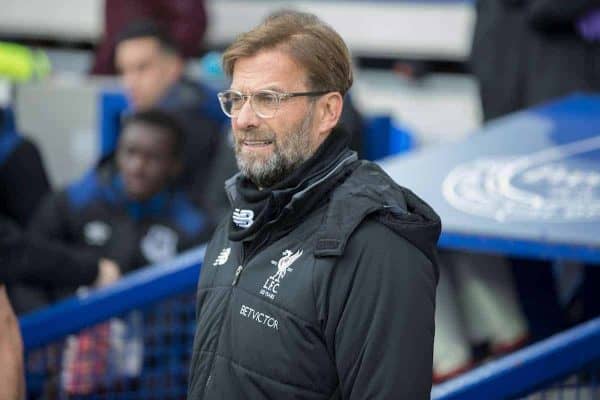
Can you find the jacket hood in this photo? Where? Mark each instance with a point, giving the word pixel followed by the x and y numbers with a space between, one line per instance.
pixel 375 194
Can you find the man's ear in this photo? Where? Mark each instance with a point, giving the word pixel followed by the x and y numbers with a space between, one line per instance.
pixel 329 112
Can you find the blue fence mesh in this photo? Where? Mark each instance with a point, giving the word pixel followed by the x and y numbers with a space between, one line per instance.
pixel 581 385
pixel 142 354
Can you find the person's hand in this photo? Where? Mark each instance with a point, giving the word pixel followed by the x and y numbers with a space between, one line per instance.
pixel 12 384
pixel 108 272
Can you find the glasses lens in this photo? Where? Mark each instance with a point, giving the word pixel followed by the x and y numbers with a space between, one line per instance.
pixel 265 104
pixel 231 102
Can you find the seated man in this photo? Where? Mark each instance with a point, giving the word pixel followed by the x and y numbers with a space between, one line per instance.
pixel 127 209
pixel 152 72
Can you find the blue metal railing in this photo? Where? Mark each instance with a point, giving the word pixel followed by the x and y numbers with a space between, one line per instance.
pixel 138 289
pixel 536 367
pixel 526 370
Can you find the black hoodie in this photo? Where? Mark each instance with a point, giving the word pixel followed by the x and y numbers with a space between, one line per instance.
pixel 340 306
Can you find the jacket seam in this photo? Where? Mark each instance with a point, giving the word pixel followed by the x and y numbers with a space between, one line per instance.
pixel 314 291
pixel 344 307
pixel 262 375
pixel 320 327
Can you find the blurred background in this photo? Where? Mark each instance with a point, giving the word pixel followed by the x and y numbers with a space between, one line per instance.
pixel 410 57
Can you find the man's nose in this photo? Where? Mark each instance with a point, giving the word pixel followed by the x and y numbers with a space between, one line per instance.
pixel 246 117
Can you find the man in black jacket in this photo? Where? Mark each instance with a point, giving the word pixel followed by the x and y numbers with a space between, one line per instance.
pixel 321 282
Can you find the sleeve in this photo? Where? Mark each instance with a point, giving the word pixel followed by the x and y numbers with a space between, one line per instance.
pixel 49 219
pixel 57 265
pixel 47 259
pixel 381 317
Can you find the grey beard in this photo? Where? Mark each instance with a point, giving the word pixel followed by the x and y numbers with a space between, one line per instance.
pixel 266 174
pixel 287 156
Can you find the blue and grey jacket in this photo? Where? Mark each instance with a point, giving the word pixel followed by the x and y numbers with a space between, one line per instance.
pixel 94 219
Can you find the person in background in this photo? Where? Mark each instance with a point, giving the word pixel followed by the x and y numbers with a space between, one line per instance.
pixel 478 313
pixel 152 72
pixel 128 209
pixel 526 52
pixel 185 20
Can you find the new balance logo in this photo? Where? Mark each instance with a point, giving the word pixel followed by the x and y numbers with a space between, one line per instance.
pixel 223 257
pixel 243 218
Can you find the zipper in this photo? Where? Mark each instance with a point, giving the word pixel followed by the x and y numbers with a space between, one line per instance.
pixel 245 257
pixel 236 277
pixel 239 269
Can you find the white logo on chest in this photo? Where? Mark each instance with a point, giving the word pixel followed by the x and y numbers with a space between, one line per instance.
pixel 159 244
pixel 97 233
pixel 271 285
pixel 223 257
pixel 243 218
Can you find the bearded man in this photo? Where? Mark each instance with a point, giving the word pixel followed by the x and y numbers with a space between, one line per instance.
pixel 321 282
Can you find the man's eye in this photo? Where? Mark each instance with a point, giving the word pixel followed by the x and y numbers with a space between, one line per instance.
pixel 265 99
pixel 236 101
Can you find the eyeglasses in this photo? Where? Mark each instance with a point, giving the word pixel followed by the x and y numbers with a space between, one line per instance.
pixel 265 103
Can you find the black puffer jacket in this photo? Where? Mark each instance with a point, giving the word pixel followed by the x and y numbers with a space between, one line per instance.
pixel 341 306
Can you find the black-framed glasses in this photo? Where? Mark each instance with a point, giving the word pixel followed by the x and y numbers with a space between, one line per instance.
pixel 265 103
